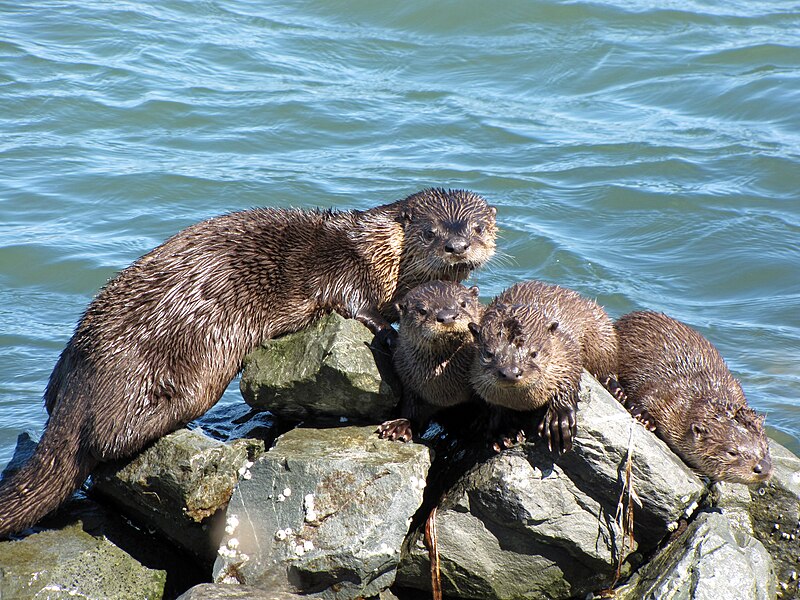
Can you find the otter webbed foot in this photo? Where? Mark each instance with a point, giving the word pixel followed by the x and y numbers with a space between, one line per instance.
pixel 559 427
pixel 615 388
pixel 396 429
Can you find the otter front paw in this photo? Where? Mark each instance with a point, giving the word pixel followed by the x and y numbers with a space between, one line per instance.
pixel 396 429
pixel 644 417
pixel 559 426
pixel 508 439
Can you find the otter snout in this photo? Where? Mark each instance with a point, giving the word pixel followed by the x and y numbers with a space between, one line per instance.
pixel 763 468
pixel 511 373
pixel 446 316
pixel 457 246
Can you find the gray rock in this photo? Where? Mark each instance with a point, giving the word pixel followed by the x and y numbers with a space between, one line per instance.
pixel 521 526
pixel 223 591
pixel 325 370
pixel 708 561
pixel 70 563
pixel 178 484
pixel 771 512
pixel 324 511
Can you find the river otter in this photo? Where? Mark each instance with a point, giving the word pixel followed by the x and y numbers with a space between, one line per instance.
pixel 161 341
pixel 434 353
pixel 533 341
pixel 676 379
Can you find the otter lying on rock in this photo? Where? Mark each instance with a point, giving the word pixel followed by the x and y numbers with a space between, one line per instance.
pixel 161 341
pixel 675 379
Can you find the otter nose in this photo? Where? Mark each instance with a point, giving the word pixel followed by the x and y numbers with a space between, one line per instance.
pixel 512 373
pixel 763 466
pixel 446 315
pixel 456 245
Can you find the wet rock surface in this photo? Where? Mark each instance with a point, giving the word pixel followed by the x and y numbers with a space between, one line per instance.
pixel 523 525
pixel 326 370
pixel 178 485
pixel 708 561
pixel 324 511
pixel 70 563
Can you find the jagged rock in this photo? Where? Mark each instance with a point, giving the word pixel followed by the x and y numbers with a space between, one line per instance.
pixel 177 486
pixel 708 561
pixel 70 563
pixel 771 512
pixel 222 591
pixel 324 511
pixel 520 525
pixel 325 370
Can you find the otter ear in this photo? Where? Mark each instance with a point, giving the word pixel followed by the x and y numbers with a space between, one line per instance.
pixel 401 308
pixel 475 329
pixel 552 327
pixel 493 210
pixel 405 216
pixel 474 290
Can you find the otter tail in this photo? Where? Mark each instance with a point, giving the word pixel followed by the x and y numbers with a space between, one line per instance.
pixel 60 464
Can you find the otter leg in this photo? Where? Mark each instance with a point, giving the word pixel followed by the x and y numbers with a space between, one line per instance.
pixel 502 433
pixel 559 424
pixel 401 429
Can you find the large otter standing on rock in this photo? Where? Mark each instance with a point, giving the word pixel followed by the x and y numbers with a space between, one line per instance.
pixel 159 344
pixel 533 341
pixel 676 379
pixel 434 353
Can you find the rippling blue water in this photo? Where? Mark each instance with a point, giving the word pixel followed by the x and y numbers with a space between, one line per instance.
pixel 644 153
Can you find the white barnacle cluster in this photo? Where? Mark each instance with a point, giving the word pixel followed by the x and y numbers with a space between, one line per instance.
pixel 283 534
pixel 244 470
pixel 417 482
pixel 230 549
pixel 308 508
pixel 231 523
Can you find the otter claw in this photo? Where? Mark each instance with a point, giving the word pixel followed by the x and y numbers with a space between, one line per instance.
pixel 396 430
pixel 559 427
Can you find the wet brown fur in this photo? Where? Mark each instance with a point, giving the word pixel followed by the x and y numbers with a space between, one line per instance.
pixel 675 377
pixel 161 341
pixel 533 342
pixel 434 353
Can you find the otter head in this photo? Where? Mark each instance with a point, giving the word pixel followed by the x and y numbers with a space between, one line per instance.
pixel 439 311
pixel 729 444
pixel 448 233
pixel 516 346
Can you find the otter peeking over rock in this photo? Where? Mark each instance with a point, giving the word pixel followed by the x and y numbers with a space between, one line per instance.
pixel 434 353
pixel 532 343
pixel 161 341
pixel 676 380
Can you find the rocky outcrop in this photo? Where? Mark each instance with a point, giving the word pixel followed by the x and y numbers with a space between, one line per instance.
pixel 178 485
pixel 708 561
pixel 324 511
pixel 70 563
pixel 771 513
pixel 521 525
pixel 326 370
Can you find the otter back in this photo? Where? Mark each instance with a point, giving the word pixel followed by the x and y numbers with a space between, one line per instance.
pixel 161 341
pixel 678 379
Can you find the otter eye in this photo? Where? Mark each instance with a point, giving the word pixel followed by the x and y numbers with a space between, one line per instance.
pixel 732 453
pixel 478 229
pixel 428 235
pixel 489 355
pixel 534 354
pixel 422 311
pixel 463 304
